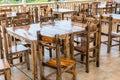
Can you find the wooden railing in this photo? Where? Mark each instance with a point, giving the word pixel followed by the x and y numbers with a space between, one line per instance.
pixel 68 5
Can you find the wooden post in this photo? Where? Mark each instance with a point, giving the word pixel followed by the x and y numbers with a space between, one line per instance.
pixel 36 14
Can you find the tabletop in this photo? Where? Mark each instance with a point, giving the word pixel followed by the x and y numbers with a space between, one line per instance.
pixel 103 6
pixel 59 27
pixel 63 10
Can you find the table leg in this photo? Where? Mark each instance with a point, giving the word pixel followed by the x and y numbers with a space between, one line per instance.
pixel 62 16
pixel 34 61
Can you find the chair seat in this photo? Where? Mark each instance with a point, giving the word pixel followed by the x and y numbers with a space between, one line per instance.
pixel 64 62
pixel 4 65
pixel 19 48
pixel 81 48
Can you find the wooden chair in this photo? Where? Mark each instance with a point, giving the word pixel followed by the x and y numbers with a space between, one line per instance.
pixel 7 12
pixel 94 8
pixel 109 7
pixel 88 46
pixel 59 63
pixel 111 35
pixel 48 15
pixel 3 18
pixel 22 19
pixel 14 52
pixel 42 9
pixel 85 8
pixel 4 65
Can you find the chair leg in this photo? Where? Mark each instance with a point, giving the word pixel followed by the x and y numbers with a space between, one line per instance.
pixel 21 58
pixel 119 44
pixel 10 59
pixel 87 63
pixel 58 75
pixel 27 61
pixel 82 57
pixel 50 50
pixel 74 72
pixel 7 74
pixel 98 58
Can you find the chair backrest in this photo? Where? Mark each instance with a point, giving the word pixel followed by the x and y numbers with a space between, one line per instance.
pixel 48 15
pixel 3 17
pixel 78 18
pixel 108 19
pixel 5 11
pixel 42 40
pixel 42 9
pixel 94 9
pixel 48 12
pixel 22 19
pixel 109 7
pixel 84 7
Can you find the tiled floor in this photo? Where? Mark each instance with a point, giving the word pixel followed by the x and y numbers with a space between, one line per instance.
pixel 109 69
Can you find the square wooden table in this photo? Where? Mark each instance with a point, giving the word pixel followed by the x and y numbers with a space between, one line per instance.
pixel 29 35
pixel 63 11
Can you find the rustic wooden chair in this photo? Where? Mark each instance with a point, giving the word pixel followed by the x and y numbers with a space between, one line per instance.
pixel 14 52
pixel 88 46
pixel 7 12
pixel 107 19
pixel 59 63
pixel 112 35
pixel 85 8
pixel 4 65
pixel 109 7
pixel 94 8
pixel 23 19
pixel 48 15
pixel 3 18
pixel 42 9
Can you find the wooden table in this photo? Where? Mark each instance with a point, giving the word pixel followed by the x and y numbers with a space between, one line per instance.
pixel 28 34
pixel 103 6
pixel 63 11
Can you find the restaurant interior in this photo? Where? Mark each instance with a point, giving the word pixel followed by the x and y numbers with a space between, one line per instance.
pixel 59 39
